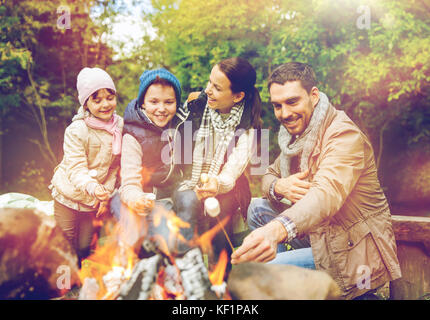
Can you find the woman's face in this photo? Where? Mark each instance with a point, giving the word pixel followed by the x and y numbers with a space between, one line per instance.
pixel 220 96
pixel 160 104
pixel 102 104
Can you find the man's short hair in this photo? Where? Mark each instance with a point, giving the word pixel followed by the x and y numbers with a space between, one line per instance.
pixel 294 71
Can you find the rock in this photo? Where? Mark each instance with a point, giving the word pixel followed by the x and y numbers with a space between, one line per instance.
pixel 36 260
pixel 260 281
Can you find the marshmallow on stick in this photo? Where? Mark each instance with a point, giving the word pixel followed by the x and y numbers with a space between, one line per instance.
pixel 212 206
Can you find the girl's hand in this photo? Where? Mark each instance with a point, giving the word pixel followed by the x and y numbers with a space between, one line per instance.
pixel 103 208
pixel 208 189
pixel 101 193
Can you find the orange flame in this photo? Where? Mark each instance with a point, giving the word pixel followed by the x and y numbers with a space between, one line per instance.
pixel 205 240
pixel 173 223
pixel 217 275
pixel 104 259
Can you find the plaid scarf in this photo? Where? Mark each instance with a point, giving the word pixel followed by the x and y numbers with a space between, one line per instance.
pixel 204 160
pixel 306 142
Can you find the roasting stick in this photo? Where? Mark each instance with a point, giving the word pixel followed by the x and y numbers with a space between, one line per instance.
pixel 213 209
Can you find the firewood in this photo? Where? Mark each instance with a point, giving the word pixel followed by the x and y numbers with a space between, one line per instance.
pixel 195 279
pixel 142 279
pixel 36 260
pixel 259 281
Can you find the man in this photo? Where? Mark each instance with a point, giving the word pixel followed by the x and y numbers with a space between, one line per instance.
pixel 327 171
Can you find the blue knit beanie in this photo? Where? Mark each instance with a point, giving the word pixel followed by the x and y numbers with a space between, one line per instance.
pixel 149 76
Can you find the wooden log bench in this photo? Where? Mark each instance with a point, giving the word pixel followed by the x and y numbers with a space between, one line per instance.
pixel 413 250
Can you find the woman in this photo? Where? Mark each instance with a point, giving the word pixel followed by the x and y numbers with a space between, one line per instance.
pixel 224 115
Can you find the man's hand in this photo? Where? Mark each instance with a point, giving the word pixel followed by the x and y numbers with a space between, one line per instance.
pixel 208 189
pixel 261 244
pixel 293 187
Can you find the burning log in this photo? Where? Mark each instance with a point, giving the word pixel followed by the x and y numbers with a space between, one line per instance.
pixel 142 280
pixel 89 289
pixel 36 260
pixel 259 281
pixel 194 274
pixel 162 277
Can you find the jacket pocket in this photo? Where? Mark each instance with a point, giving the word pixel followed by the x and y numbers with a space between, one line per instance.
pixel 348 239
pixel 356 257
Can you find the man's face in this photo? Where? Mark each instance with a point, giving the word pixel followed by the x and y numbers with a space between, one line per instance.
pixel 293 105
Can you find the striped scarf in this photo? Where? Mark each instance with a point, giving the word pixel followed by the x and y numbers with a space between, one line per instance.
pixel 204 160
pixel 306 142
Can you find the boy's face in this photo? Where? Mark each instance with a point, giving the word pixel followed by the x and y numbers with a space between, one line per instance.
pixel 159 104
pixel 102 105
pixel 293 105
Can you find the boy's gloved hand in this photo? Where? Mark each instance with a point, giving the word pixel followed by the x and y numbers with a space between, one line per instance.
pixel 143 206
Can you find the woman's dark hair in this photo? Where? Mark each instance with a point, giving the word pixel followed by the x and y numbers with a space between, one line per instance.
pixel 242 77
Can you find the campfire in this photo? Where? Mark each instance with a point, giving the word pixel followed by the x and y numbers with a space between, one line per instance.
pixel 114 270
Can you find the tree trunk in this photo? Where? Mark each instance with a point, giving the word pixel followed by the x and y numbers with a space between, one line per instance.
pixel 381 144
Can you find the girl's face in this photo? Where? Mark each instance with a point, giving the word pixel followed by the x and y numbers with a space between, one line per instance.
pixel 159 104
pixel 102 104
pixel 220 96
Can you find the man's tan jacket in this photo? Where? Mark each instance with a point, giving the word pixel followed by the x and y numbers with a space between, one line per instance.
pixel 345 212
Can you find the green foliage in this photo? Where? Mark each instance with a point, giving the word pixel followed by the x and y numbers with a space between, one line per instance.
pixel 39 62
pixel 374 73
pixel 379 75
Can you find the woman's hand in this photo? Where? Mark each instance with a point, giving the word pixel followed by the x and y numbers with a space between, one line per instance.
pixel 208 189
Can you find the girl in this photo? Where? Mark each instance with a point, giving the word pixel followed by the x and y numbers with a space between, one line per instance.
pixel 227 109
pixel 85 178
pixel 147 168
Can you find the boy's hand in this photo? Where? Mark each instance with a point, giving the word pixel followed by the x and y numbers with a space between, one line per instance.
pixel 143 206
